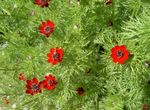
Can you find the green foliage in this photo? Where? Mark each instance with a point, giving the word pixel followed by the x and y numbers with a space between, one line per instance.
pixel 82 30
pixel 113 102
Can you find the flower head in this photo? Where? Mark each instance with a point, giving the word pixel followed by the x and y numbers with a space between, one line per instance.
pixel 80 91
pixel 145 107
pixel 110 23
pixel 108 2
pixel 119 54
pixel 49 82
pixel 46 28
pixel 42 3
pixel 22 77
pixel 33 86
pixel 55 55
pixel 6 101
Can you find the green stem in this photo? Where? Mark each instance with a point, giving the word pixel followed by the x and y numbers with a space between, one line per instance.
pixel 10 41
pixel 113 14
pixel 6 69
pixel 49 8
pixel 9 94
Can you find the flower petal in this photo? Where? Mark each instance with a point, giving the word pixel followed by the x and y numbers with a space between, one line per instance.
pixel 35 80
pixel 52 50
pixel 50 23
pixel 28 91
pixel 29 82
pixel 28 86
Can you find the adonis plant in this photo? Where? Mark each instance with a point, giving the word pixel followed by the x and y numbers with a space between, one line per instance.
pixel 74 55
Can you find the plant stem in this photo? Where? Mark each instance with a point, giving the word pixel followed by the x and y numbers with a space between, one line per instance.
pixel 6 69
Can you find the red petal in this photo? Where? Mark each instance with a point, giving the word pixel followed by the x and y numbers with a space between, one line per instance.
pixel 28 86
pixel 121 61
pixel 41 28
pixel 60 51
pixel 47 35
pixel 35 80
pixel 43 23
pixel 32 93
pixel 113 50
pixel 50 60
pixel 55 82
pixel 117 47
pixel 54 62
pixel 37 1
pixel 123 47
pixel 50 23
pixel 40 91
pixel 49 76
pixel 45 83
pixel 29 91
pixel 61 54
pixel 41 84
pixel 126 55
pixel 114 56
pixel 29 82
pixel 115 60
pixel 49 55
pixel 50 87
pixel 52 50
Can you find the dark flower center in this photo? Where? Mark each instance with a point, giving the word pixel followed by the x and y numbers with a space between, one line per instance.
pixel 110 23
pixel 56 56
pixel 51 82
pixel 80 91
pixel 47 29
pixel 35 87
pixel 120 54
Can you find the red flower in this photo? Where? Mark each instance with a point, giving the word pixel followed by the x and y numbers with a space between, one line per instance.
pixel 145 107
pixel 55 55
pixel 42 3
pixel 49 82
pixel 47 28
pixel 119 54
pixel 80 91
pixel 22 77
pixel 33 86
pixel 6 101
pixel 110 23
pixel 108 2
